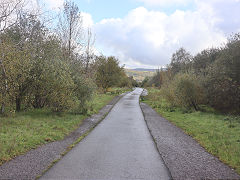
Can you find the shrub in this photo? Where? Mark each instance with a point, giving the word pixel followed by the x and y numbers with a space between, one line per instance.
pixel 184 90
pixel 84 89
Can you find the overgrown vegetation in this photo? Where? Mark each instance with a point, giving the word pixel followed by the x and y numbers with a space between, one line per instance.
pixel 211 78
pixel 57 70
pixel 217 133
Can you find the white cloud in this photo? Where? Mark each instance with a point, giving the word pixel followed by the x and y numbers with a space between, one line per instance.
pixel 146 37
pixel 43 5
pixel 227 13
pixel 87 20
pixel 53 4
pixel 164 3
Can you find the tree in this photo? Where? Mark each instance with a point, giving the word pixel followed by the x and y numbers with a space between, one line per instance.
pixel 133 82
pixel 26 36
pixel 203 59
pixel 145 81
pixel 222 82
pixel 108 72
pixel 36 70
pixel 157 79
pixel 9 12
pixel 51 75
pixel 89 50
pixel 39 69
pixel 180 61
pixel 70 26
pixel 8 17
pixel 17 64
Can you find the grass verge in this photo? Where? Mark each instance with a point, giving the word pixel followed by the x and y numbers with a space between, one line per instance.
pixel 28 130
pixel 219 134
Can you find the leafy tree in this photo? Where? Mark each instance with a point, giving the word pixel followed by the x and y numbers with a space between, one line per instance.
pixel 223 80
pixel 144 83
pixel 216 71
pixel 203 59
pixel 180 61
pixel 26 37
pixel 36 70
pixel 108 72
pixel 83 90
pixel 157 79
pixel 7 20
pixel 17 62
pixel 133 82
pixel 124 80
pixel 60 94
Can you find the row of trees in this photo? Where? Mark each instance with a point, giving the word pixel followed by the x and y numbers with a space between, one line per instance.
pixel 54 69
pixel 212 77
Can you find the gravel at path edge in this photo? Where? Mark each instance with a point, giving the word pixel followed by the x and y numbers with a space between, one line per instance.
pixel 184 157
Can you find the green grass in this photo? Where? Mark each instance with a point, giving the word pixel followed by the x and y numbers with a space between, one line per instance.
pixel 219 134
pixel 100 100
pixel 28 130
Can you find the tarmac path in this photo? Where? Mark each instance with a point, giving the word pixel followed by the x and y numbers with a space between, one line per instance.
pixel 119 148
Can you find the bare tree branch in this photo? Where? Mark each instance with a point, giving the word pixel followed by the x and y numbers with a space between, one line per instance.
pixel 70 26
pixel 9 10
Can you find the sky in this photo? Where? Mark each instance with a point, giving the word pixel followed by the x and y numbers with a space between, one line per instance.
pixel 145 33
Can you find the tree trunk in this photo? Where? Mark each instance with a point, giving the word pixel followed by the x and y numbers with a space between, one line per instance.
pixel 2 108
pixel 18 104
pixel 38 102
pixel 70 37
pixel 88 51
pixel 5 90
pixel 195 106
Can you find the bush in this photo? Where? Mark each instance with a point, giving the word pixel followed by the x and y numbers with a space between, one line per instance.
pixel 184 90
pixel 84 89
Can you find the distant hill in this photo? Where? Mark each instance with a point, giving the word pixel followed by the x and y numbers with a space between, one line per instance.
pixel 139 74
pixel 143 69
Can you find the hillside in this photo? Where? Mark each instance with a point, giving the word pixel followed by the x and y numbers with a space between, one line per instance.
pixel 140 74
pixel 143 69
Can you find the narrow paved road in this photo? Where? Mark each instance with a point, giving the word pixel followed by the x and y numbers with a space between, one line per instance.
pixel 119 148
